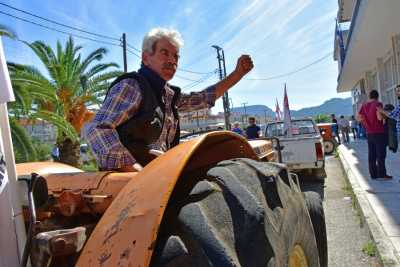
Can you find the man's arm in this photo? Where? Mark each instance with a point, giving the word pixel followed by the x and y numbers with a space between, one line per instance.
pixel 121 103
pixel 206 98
pixel 244 65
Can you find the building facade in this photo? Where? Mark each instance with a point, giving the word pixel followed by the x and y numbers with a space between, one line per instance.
pixel 41 130
pixel 366 47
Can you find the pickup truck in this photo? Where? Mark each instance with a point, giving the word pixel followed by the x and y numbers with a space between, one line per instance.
pixel 303 149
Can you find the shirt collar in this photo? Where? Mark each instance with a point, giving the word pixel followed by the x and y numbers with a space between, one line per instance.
pixel 153 78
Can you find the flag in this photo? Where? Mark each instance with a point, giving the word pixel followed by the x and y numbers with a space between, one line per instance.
pixel 287 121
pixel 12 229
pixel 277 111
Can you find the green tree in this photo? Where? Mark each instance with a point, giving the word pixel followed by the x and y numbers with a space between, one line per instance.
pixel 62 97
pixel 320 118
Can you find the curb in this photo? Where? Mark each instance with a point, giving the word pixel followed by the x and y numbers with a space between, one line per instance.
pixel 385 248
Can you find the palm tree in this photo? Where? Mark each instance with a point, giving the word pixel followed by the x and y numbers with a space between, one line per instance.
pixel 74 84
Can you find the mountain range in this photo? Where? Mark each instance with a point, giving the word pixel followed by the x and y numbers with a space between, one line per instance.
pixel 338 106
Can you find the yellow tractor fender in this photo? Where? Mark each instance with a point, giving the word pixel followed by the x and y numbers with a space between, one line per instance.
pixel 127 232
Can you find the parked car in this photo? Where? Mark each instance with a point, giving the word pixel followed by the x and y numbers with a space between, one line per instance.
pixel 303 148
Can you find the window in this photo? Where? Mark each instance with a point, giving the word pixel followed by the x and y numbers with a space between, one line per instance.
pixel 388 73
pixel 299 127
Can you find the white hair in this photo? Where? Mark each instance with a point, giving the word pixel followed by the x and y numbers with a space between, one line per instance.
pixel 156 34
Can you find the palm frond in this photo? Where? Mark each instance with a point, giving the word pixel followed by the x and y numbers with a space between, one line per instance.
pixel 97 54
pixel 96 69
pixel 60 122
pixel 6 31
pixel 22 142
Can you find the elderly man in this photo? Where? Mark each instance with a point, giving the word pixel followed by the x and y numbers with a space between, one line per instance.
pixel 140 111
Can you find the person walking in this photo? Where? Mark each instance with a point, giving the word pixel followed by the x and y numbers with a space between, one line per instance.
pixel 394 114
pixel 354 127
pixel 376 136
pixel 335 127
pixel 344 127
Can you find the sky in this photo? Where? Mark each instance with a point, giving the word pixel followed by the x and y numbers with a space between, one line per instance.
pixel 280 35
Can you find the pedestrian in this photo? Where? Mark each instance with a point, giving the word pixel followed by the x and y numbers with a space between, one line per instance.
pixel 55 153
pixel 236 128
pixel 335 127
pixel 344 127
pixel 390 128
pixel 395 113
pixel 368 116
pixel 138 119
pixel 354 127
pixel 252 131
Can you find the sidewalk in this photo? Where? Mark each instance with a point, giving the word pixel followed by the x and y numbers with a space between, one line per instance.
pixel 379 200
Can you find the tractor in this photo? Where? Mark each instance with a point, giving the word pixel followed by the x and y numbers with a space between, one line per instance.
pixel 214 200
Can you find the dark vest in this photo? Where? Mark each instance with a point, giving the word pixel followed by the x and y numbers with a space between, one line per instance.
pixel 145 127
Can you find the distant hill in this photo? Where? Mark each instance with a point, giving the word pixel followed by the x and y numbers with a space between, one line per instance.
pixel 338 106
pixel 254 110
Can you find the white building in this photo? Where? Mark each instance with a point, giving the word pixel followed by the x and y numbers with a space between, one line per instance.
pixel 370 56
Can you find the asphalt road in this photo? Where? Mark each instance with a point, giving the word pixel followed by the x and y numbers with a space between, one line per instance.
pixel 346 234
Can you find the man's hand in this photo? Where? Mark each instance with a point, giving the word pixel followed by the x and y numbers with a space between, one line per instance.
pixel 244 65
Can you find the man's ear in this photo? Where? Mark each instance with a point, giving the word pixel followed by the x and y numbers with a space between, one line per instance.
pixel 145 58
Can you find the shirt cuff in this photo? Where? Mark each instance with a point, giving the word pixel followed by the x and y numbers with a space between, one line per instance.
pixel 210 95
pixel 116 160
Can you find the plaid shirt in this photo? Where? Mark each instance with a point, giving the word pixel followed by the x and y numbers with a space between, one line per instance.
pixel 121 104
pixel 395 114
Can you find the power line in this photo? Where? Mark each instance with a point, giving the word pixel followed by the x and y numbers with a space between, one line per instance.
pixel 80 36
pixel 201 80
pixel 195 72
pixel 134 48
pixel 291 72
pixel 60 31
pixel 133 53
pixel 60 24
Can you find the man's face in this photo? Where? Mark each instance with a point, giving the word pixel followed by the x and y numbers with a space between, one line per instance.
pixel 163 60
pixel 398 91
pixel 252 122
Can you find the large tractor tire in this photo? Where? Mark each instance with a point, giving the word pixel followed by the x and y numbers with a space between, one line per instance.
pixel 317 215
pixel 242 213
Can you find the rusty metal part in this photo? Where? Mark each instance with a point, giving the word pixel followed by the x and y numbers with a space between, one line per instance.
pixel 127 232
pixel 58 243
pixel 70 202
pixel 44 168
pixel 97 190
pixel 74 181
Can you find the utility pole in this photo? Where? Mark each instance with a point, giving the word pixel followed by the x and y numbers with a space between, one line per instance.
pixel 245 113
pixel 222 75
pixel 265 115
pixel 124 52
